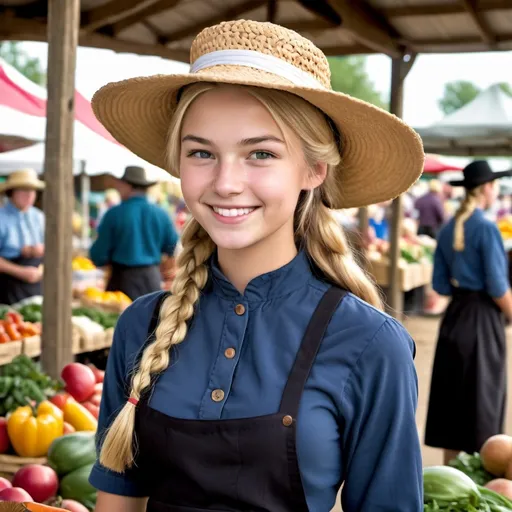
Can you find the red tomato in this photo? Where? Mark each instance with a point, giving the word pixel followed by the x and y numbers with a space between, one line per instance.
pixel 41 482
pixel 4 484
pixel 73 506
pixel 98 374
pixel 93 409
pixel 68 429
pixel 15 494
pixel 80 381
pixel 4 438
pixel 95 399
pixel 60 400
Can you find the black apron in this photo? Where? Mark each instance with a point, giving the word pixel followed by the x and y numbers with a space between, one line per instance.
pixel 134 281
pixel 13 290
pixel 468 389
pixel 247 464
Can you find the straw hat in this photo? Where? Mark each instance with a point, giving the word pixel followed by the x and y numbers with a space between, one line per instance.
pixel 23 178
pixel 382 156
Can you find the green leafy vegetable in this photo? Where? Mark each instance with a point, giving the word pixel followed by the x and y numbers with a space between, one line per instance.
pixel 472 466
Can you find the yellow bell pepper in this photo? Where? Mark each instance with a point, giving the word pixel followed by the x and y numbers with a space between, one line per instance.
pixel 30 435
pixel 79 417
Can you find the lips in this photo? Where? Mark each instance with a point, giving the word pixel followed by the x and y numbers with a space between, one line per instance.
pixel 232 212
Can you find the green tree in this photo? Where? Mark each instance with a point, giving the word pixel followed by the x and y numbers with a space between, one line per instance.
pixel 506 88
pixel 31 67
pixel 457 94
pixel 349 75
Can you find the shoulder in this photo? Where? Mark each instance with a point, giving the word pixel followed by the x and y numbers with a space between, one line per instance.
pixel 37 213
pixel 367 335
pixel 133 324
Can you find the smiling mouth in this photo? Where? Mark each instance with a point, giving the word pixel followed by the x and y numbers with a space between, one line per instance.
pixel 233 212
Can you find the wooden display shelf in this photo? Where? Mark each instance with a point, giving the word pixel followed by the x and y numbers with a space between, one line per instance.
pixel 413 275
pixel 9 464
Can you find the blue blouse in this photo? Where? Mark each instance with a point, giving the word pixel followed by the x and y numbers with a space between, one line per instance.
pixel 357 415
pixel 481 266
pixel 18 229
pixel 134 233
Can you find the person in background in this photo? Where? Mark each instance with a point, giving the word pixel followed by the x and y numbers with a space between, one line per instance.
pixel 21 238
pixel 111 199
pixel 468 389
pixel 430 209
pixel 378 221
pixel 133 236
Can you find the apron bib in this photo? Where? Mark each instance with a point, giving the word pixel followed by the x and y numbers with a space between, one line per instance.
pixel 247 464
pixel 468 389
pixel 12 290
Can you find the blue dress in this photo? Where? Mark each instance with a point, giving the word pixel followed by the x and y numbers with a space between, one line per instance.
pixel 468 388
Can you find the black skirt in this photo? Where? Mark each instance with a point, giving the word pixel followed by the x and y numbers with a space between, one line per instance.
pixel 135 281
pixel 468 388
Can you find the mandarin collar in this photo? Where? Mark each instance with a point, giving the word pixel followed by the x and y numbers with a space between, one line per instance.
pixel 277 283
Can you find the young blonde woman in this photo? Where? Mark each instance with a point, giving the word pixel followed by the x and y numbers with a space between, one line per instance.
pixel 468 390
pixel 270 375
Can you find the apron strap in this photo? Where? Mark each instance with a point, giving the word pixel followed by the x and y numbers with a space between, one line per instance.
pixel 309 349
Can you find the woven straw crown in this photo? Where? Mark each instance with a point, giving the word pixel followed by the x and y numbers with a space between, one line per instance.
pixel 381 156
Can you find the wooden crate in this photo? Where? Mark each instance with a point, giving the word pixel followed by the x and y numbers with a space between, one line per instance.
pixel 9 464
pixel 31 346
pixel 8 351
pixel 93 342
pixel 413 275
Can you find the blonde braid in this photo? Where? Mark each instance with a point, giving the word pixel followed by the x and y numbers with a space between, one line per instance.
pixel 327 246
pixel 465 211
pixel 117 450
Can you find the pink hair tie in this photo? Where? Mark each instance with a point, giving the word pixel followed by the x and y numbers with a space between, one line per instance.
pixel 133 401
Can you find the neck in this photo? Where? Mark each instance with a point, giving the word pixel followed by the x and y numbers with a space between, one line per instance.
pixel 480 203
pixel 20 209
pixel 240 266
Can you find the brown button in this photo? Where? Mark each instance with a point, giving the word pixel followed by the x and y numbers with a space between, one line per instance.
pixel 217 395
pixel 230 353
pixel 240 309
pixel 287 421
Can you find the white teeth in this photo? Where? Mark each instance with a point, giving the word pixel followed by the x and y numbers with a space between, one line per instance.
pixel 233 212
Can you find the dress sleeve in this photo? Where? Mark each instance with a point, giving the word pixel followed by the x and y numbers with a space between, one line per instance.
pixel 113 399
pixel 381 449
pixel 101 249
pixel 442 273
pixel 495 261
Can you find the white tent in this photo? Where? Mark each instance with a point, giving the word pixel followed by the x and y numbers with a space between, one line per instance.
pixel 482 127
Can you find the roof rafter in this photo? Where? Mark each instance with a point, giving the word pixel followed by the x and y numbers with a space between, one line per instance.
pixel 228 14
pixel 367 27
pixel 111 12
pixel 477 17
pixel 150 10
pixel 442 9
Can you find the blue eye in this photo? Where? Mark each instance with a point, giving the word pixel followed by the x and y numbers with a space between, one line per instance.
pixel 200 154
pixel 261 155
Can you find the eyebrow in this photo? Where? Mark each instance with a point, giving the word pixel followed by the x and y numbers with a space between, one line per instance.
pixel 244 142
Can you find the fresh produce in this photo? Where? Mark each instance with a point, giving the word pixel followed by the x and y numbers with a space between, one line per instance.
pixel 4 484
pixel 106 320
pixel 4 436
pixel 102 297
pixel 79 417
pixel 32 313
pixel 443 485
pixel 31 435
pixel 472 466
pixel 23 381
pixel 496 454
pixel 79 380
pixel 71 452
pixel 40 507
pixel 93 409
pixel 99 375
pixel 15 494
pixel 76 486
pixel 41 482
pixel 16 327
pixel 82 263
pixel 501 486
pixel 73 506
pixel 60 399
pixel 68 429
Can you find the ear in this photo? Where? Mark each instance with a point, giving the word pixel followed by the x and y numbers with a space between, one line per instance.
pixel 314 179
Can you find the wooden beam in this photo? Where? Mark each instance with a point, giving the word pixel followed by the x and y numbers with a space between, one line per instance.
pixel 271 11
pixel 63 24
pixel 318 25
pixel 457 42
pixel 481 24
pixel 362 24
pixel 228 14
pixel 323 9
pixel 17 29
pixel 152 10
pixel 443 9
pixel 112 11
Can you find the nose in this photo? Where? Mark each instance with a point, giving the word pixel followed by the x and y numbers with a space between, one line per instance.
pixel 229 179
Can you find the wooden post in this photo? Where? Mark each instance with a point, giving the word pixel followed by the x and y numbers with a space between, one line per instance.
pixel 63 24
pixel 85 188
pixel 364 222
pixel 400 67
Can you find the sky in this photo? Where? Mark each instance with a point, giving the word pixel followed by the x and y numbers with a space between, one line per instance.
pixel 424 85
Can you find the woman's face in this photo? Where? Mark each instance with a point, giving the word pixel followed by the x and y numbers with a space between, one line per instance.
pixel 491 191
pixel 239 178
pixel 23 198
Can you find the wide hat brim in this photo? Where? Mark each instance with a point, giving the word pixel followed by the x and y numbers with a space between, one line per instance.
pixel 482 181
pixel 382 156
pixel 138 183
pixel 31 184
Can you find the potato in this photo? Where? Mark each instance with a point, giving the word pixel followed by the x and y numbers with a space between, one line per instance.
pixel 496 454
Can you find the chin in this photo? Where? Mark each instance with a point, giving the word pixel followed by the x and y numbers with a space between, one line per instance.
pixel 233 241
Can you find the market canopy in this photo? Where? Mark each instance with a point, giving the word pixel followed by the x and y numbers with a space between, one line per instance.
pixel 482 127
pixel 339 27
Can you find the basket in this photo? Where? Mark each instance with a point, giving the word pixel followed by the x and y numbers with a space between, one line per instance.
pixel 9 464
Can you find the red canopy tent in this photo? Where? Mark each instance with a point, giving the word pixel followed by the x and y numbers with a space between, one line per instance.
pixel 434 165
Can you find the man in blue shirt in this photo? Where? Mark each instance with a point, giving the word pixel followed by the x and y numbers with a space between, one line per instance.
pixel 21 238
pixel 133 236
